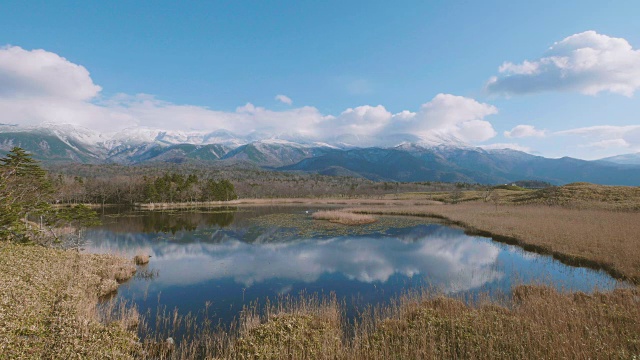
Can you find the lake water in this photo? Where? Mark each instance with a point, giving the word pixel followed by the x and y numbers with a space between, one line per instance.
pixel 231 257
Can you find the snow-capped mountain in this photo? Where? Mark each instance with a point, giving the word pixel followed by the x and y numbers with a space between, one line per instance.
pixel 404 158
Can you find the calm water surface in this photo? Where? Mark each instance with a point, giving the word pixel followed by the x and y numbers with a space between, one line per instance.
pixel 230 257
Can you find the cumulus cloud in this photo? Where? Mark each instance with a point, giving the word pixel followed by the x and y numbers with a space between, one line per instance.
pixel 458 116
pixel 361 121
pixel 38 86
pixel 284 99
pixel 587 62
pixel 522 131
pixel 25 73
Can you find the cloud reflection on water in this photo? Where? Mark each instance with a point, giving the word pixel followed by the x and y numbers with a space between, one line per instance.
pixel 447 257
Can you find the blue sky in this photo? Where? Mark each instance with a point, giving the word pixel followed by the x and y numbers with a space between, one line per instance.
pixel 344 68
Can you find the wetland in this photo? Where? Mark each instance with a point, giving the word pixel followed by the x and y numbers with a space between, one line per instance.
pixel 231 257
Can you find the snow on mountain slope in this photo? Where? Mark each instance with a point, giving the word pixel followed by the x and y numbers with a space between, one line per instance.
pixel 137 136
pixel 437 158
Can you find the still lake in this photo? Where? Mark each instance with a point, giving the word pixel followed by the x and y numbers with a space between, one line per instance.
pixel 230 257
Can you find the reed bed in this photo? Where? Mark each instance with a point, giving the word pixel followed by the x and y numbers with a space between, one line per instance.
pixel 293 327
pixel 537 322
pixel 344 218
pixel 48 306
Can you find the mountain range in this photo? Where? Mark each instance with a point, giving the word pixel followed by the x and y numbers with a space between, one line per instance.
pixel 437 159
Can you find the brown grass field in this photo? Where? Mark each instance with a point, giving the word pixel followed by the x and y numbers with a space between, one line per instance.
pixel 48 305
pixel 343 217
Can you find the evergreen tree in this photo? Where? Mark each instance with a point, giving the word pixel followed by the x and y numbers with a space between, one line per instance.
pixel 25 193
pixel 228 191
pixel 150 191
pixel 24 190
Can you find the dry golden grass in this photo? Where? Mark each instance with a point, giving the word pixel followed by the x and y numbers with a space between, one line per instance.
pixel 48 305
pixel 597 238
pixel 345 218
pixel 294 328
pixel 141 259
pixel 538 323
pixel 583 196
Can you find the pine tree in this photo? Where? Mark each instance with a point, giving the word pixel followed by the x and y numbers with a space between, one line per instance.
pixel 24 190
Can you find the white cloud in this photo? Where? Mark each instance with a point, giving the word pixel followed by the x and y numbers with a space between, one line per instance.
pixel 455 115
pixel 284 99
pixel 445 115
pixel 39 86
pixel 512 146
pixel 39 73
pixel 474 131
pixel 601 131
pixel 607 136
pixel 587 62
pixel 611 143
pixel 361 121
pixel 521 131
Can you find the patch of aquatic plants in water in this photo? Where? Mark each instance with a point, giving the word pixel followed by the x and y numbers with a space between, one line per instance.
pixel 344 218
pixel 304 226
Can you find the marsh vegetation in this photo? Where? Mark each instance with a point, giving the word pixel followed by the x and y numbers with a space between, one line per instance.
pixel 345 218
pixel 538 322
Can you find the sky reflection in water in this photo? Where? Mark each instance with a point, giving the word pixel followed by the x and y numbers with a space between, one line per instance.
pixel 231 261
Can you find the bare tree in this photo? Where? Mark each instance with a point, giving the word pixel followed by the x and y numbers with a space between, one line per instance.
pixel 456 195
pixel 495 198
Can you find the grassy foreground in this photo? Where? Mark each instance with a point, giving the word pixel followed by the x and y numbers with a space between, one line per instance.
pixel 538 323
pixel 48 305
